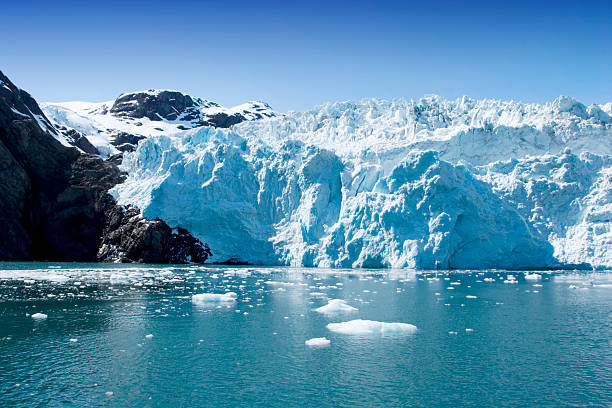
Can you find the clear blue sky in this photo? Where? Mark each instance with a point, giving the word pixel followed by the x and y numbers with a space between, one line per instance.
pixel 295 55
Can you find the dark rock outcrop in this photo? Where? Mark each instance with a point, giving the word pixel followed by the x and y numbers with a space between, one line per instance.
pixel 54 201
pixel 173 105
pixel 129 237
pixel 156 105
pixel 125 142
pixel 78 140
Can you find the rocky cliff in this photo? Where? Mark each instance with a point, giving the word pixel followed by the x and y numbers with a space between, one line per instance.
pixel 54 201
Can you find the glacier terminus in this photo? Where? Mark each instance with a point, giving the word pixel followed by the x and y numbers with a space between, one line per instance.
pixel 427 184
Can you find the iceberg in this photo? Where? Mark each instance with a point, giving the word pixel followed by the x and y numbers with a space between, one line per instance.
pixel 213 298
pixel 336 306
pixel 318 342
pixel 370 327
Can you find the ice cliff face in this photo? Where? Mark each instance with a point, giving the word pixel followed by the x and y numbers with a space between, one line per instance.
pixel 431 184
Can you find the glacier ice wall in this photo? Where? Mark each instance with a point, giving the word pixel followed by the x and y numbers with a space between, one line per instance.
pixel 431 184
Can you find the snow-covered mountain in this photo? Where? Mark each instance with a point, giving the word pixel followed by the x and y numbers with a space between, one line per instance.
pixel 117 126
pixel 427 184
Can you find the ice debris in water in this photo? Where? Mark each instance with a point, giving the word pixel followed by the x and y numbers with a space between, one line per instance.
pixel 318 342
pixel 533 276
pixel 208 298
pixel 39 316
pixel 335 306
pixel 367 327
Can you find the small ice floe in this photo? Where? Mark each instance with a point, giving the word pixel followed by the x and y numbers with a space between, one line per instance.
pixel 109 393
pixel 469 330
pixel 455 283
pixel 452 333
pixel 214 298
pixel 533 276
pixel 149 336
pixel 471 296
pixel 335 306
pixel 489 279
pixel 318 342
pixel 368 327
pixel 39 316
pixel 73 340
pixel 537 285
pixel 276 283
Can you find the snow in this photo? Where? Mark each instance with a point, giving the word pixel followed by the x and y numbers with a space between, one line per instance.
pixel 213 298
pixel 335 306
pixel 98 125
pixel 19 113
pixel 431 184
pixel 39 316
pixel 318 342
pixel 370 327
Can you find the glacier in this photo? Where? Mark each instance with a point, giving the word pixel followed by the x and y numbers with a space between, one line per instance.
pixel 431 184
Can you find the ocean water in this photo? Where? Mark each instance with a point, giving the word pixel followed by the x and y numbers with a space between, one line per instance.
pixel 134 336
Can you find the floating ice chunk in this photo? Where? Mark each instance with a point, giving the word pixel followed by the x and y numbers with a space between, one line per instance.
pixel 208 298
pixel 336 306
pixel 73 340
pixel 39 316
pixel 469 330
pixel 367 327
pixel 318 342
pixel 149 336
pixel 489 279
pixel 533 276
pixel 276 283
pixel 511 281
pixel 471 296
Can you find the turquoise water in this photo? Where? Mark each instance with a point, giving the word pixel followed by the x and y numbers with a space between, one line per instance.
pixel 539 343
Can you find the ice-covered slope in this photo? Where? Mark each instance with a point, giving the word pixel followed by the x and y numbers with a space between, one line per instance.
pixel 396 184
pixel 118 125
